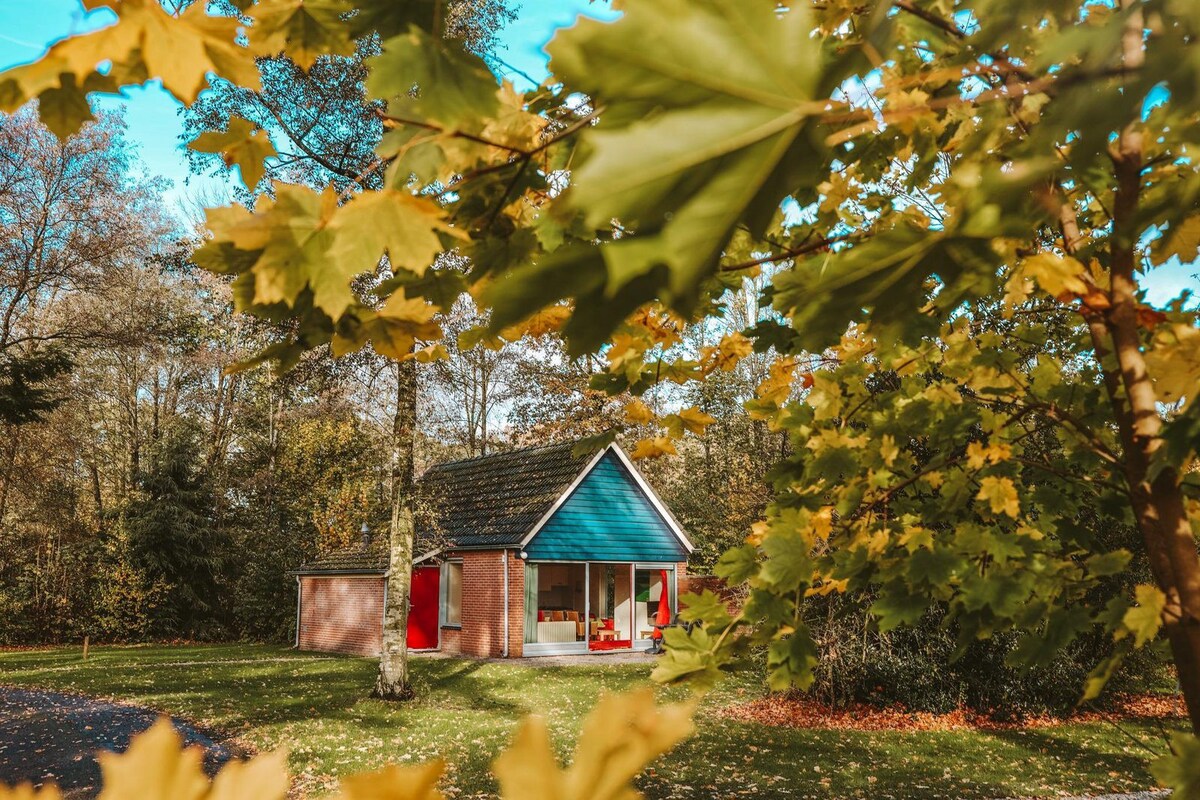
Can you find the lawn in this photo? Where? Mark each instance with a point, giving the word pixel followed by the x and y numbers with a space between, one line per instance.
pixel 466 712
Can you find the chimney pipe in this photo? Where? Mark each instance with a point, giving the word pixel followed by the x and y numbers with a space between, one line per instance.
pixel 366 536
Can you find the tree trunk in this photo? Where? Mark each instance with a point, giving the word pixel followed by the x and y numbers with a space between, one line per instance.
pixel 1158 502
pixel 392 682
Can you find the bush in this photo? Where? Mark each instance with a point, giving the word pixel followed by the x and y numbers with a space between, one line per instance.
pixel 916 667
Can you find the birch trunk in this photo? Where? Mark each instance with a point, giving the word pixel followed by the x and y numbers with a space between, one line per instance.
pixel 392 682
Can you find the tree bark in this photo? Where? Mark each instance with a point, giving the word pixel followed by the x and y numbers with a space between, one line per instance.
pixel 392 682
pixel 1158 501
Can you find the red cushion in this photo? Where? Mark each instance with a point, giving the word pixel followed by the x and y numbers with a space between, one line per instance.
pixel 608 624
pixel 541 616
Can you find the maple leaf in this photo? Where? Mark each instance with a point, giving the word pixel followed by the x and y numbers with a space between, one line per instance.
pixel 689 419
pixel 241 144
pixel 394 782
pixel 653 448
pixel 1057 275
pixel 146 42
pixel 398 223
pixel 1001 495
pixel 154 767
pixel 26 791
pixel 548 320
pixel 638 412
pixel 301 29
pixel 1145 619
pixel 688 146
pixel 619 738
pixel 1181 240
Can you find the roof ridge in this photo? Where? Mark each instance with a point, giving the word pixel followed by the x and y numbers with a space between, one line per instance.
pixel 502 453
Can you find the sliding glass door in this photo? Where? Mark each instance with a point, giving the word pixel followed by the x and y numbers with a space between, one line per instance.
pixel 653 600
pixel 611 607
pixel 577 607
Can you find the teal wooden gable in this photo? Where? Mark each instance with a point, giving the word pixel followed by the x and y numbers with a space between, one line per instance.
pixel 607 517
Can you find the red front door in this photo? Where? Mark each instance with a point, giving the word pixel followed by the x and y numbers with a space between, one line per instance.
pixel 423 608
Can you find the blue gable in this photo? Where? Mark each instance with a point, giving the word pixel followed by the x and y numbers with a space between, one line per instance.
pixel 607 518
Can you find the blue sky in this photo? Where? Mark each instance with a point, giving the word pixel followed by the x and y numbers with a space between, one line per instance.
pixel 27 27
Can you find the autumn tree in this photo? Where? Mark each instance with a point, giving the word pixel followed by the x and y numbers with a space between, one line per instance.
pixel 1050 146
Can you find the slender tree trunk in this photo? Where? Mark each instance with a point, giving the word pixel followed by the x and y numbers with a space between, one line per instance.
pixel 392 682
pixel 97 496
pixel 1157 499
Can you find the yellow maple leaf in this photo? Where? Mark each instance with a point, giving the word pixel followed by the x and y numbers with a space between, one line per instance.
pixel 154 767
pixel 1173 361
pixel 695 420
pixel 263 777
pixel 304 29
pixel 821 523
pixel 727 353
pixel 1057 275
pixel 638 412
pixel 653 448
pixel 1001 495
pixel 408 228
pixel 547 320
pixel 979 454
pixel 394 782
pixel 620 737
pixel 181 49
pixel 662 328
pixel 1145 619
pixel 778 384
pixel 25 791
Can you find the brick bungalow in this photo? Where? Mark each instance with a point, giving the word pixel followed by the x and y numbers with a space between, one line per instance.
pixel 540 552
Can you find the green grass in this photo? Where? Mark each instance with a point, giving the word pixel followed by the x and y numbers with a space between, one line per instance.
pixel 466 712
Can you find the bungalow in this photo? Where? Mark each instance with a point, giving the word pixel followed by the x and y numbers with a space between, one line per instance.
pixel 539 552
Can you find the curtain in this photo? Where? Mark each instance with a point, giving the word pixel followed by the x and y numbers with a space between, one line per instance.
pixel 531 602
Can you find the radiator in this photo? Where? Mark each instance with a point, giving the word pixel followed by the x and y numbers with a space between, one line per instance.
pixel 557 631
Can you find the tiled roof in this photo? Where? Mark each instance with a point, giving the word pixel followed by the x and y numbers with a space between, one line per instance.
pixel 495 500
pixel 352 558
pixel 488 501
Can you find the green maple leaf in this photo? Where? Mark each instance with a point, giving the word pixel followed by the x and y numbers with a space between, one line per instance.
pixel 302 29
pixel 1182 240
pixel 65 108
pixel 898 606
pixel 790 661
pixel 689 144
pixel 1180 769
pixel 433 80
pixel 241 144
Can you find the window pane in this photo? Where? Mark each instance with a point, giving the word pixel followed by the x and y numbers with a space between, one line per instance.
pixel 453 607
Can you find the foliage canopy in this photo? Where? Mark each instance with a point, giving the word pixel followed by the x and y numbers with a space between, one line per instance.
pixel 959 207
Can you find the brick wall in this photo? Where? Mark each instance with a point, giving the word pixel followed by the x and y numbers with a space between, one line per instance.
pixel 342 614
pixel 482 632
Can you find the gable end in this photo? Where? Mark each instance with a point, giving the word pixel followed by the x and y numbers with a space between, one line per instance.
pixel 609 514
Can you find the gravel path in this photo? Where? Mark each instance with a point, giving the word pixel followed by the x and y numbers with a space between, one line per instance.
pixel 53 737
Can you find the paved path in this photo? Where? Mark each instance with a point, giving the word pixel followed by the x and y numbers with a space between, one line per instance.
pixel 52 736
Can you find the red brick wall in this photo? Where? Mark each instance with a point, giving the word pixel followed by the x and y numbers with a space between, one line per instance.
pixel 341 614
pixel 482 632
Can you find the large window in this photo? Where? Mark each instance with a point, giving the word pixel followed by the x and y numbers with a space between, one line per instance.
pixel 452 593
